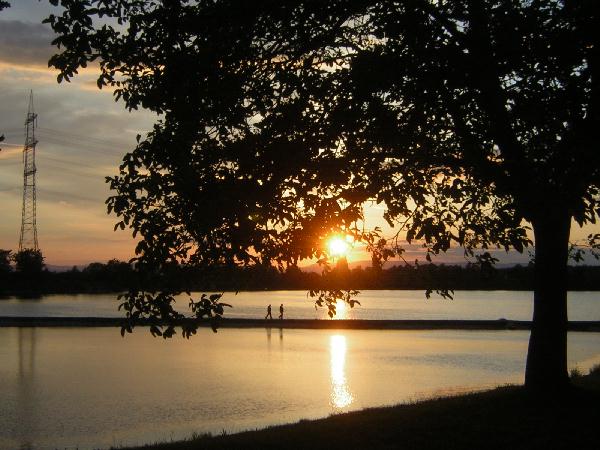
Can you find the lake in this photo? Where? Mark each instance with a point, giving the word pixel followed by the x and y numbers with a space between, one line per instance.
pixel 375 305
pixel 89 388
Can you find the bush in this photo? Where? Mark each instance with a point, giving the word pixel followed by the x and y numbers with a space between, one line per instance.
pixel 575 372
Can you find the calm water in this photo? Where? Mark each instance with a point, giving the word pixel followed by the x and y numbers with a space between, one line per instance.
pixel 512 305
pixel 89 388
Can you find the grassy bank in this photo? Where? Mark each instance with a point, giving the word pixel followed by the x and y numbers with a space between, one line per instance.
pixel 504 418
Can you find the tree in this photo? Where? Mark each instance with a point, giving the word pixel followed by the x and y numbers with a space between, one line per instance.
pixel 471 121
pixel 29 262
pixel 5 261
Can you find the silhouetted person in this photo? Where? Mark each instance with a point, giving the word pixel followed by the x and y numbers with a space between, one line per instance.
pixel 269 315
pixel 281 311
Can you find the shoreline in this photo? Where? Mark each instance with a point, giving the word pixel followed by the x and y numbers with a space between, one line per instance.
pixel 507 417
pixel 499 324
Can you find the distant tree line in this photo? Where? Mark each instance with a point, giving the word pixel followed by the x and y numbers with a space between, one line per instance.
pixel 24 272
pixel 27 262
pixel 425 277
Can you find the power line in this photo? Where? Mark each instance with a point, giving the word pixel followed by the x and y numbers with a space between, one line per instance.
pixel 4 144
pixel 75 142
pixel 70 166
pixel 81 137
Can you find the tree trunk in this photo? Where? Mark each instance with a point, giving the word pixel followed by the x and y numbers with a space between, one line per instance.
pixel 547 354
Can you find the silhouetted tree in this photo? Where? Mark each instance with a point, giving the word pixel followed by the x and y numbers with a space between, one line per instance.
pixel 29 262
pixel 468 119
pixel 114 272
pixel 5 259
pixel 94 268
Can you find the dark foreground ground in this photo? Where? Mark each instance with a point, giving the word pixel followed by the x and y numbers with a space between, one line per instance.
pixel 505 418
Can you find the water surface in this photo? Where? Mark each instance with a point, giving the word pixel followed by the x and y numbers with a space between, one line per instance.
pixel 376 305
pixel 89 388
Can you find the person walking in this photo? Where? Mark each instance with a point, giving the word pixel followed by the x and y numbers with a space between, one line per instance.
pixel 269 315
pixel 281 311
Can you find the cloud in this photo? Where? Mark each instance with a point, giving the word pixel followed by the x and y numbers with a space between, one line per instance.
pixel 82 136
pixel 25 43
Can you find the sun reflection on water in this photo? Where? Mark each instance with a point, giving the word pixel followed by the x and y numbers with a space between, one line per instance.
pixel 341 313
pixel 340 394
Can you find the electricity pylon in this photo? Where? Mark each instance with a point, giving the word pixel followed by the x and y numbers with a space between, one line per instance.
pixel 28 238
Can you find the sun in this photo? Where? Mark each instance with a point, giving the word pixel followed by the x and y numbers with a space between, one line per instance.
pixel 338 246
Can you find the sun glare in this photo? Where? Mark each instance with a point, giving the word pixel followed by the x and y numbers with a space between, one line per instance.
pixel 338 246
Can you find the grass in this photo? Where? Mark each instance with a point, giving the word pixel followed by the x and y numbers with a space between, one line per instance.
pixel 503 418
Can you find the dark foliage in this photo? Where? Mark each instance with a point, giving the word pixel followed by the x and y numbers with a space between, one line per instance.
pixel 5 259
pixel 119 277
pixel 28 262
pixel 114 276
pixel 469 120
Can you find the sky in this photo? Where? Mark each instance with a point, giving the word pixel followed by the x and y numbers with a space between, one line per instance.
pixel 83 134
